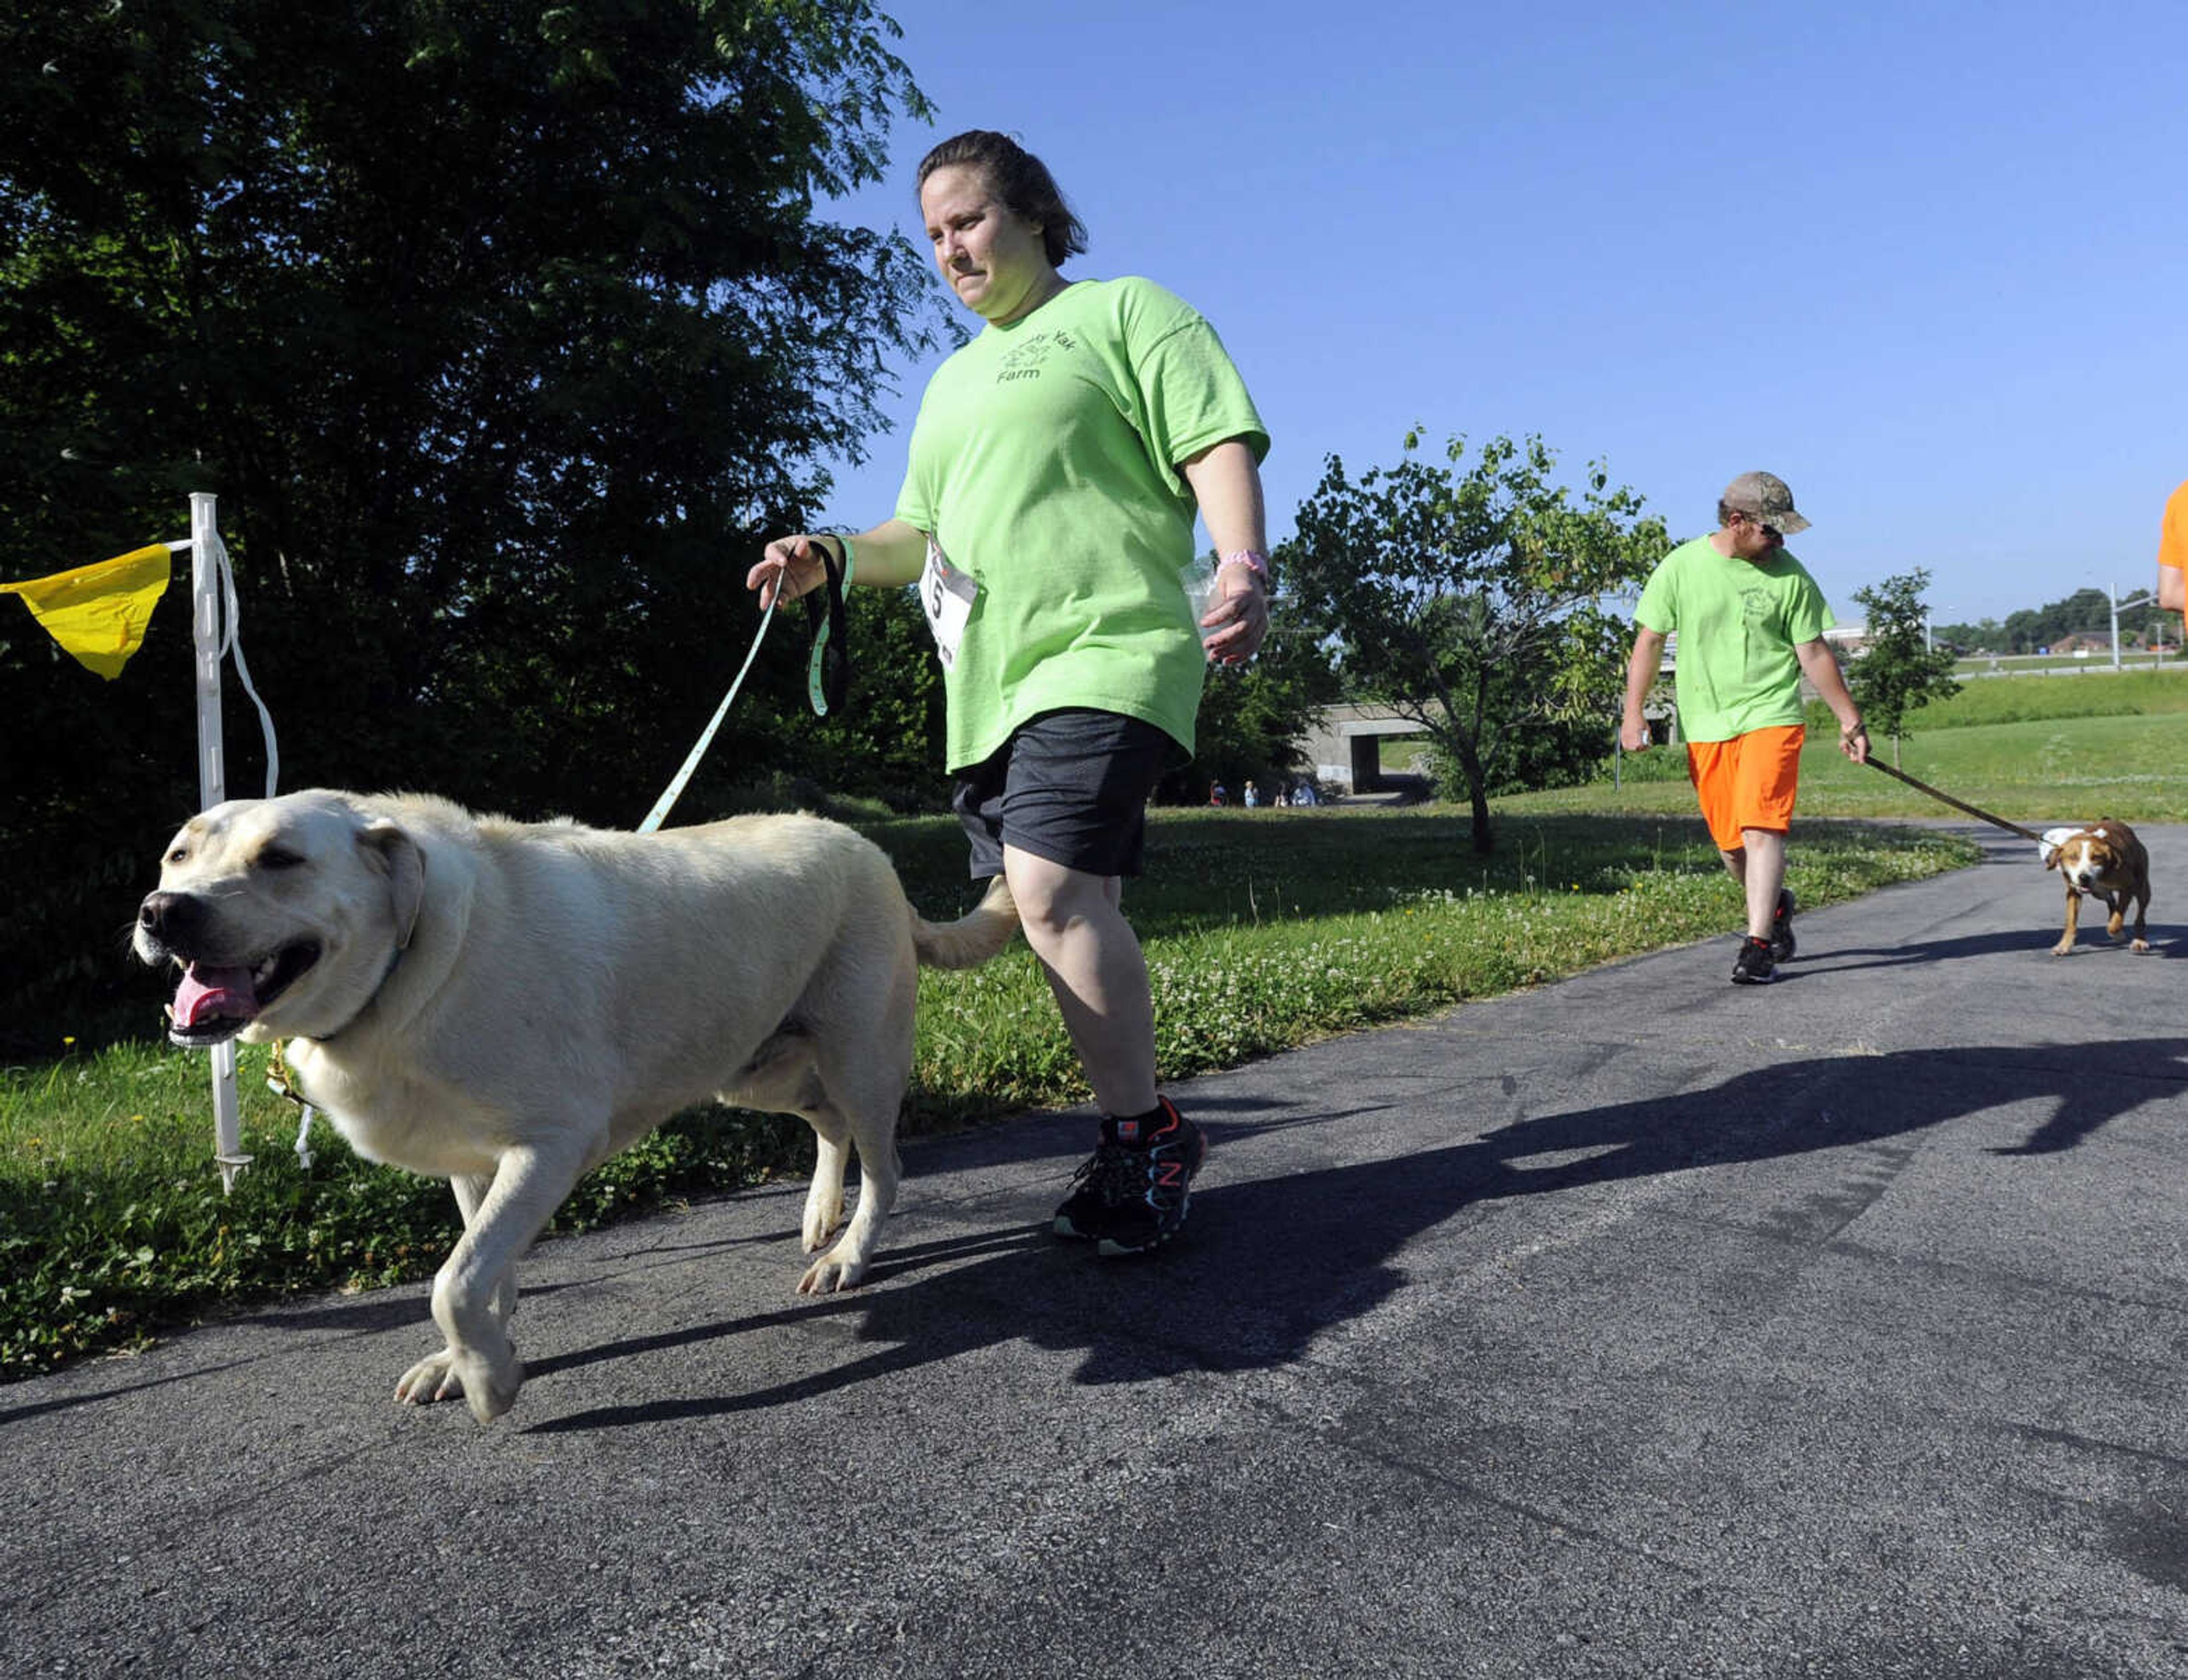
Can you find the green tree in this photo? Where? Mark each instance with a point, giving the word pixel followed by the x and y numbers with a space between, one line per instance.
pixel 1898 670
pixel 1985 635
pixel 2087 611
pixel 2024 630
pixel 1474 602
pixel 506 333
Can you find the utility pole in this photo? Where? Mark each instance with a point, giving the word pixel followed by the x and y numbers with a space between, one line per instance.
pixel 2132 601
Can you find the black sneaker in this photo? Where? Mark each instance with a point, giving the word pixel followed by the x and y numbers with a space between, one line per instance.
pixel 1782 942
pixel 1131 1194
pixel 1754 966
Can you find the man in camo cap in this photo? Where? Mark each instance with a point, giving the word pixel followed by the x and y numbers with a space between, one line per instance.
pixel 1751 623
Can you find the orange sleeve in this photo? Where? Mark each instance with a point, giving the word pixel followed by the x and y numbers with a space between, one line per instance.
pixel 2173 542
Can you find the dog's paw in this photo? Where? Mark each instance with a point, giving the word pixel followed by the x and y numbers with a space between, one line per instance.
pixel 450 1375
pixel 834 1270
pixel 823 1214
pixel 428 1380
pixel 2062 947
pixel 2140 947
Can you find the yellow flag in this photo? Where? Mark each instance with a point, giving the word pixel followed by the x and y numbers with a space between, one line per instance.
pixel 99 612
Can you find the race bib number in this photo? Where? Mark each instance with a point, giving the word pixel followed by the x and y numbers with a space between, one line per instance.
pixel 948 595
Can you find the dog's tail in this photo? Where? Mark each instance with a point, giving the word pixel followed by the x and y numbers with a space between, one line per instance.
pixel 972 938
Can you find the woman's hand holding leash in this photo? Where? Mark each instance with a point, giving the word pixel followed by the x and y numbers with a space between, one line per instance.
pixel 789 567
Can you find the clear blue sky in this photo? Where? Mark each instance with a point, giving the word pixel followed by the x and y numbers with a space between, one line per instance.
pixel 1927 262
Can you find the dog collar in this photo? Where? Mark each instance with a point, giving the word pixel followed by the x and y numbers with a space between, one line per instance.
pixel 281 1080
pixel 394 961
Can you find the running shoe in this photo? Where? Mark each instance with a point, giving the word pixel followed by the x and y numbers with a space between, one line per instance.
pixel 1782 942
pixel 1131 1195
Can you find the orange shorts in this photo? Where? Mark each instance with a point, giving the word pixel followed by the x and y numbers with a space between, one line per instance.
pixel 1748 781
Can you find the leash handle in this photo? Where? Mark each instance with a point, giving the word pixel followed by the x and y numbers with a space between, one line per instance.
pixel 828 672
pixel 1957 804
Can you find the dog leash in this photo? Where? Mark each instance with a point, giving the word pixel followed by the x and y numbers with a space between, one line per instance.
pixel 827 672
pixel 1957 804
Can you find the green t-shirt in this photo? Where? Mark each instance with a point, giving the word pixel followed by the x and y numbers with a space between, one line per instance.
pixel 1737 621
pixel 1043 462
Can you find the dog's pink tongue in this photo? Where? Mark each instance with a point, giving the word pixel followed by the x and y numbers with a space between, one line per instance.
pixel 214 991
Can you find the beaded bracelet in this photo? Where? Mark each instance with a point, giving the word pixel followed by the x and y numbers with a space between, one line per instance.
pixel 1253 559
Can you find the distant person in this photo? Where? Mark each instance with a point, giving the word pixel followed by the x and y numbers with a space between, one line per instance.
pixel 1751 623
pixel 1058 464
pixel 1304 794
pixel 1252 795
pixel 2173 558
pixel 1217 796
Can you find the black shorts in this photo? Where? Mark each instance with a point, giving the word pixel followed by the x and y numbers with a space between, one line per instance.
pixel 1070 785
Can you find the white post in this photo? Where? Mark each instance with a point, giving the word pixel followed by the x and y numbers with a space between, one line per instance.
pixel 212 788
pixel 2136 599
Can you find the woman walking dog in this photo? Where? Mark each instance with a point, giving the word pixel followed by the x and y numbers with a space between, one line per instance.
pixel 1056 467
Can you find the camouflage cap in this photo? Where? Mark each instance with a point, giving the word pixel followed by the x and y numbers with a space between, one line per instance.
pixel 1768 498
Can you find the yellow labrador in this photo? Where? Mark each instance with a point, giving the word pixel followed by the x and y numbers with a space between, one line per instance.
pixel 506 1004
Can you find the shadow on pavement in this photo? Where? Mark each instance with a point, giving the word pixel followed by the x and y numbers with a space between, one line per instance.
pixel 1266 1266
pixel 2035 943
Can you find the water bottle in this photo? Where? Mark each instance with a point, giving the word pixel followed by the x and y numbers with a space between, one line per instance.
pixel 1198 578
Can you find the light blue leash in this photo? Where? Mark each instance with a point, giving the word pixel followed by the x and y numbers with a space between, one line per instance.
pixel 813 691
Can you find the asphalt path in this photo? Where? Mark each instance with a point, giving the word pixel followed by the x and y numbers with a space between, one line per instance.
pixel 1640 1324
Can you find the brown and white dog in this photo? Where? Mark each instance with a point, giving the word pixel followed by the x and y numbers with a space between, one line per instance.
pixel 2106 861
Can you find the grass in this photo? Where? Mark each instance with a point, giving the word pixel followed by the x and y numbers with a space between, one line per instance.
pixel 2035 751
pixel 2092 694
pixel 2066 665
pixel 1263 930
